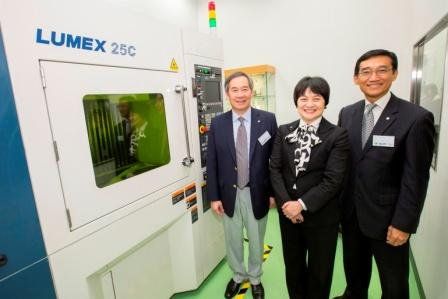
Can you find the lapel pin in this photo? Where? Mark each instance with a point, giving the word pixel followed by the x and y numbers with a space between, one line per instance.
pixel 387 118
pixel 258 121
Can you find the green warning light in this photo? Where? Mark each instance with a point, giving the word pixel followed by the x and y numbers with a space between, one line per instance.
pixel 212 22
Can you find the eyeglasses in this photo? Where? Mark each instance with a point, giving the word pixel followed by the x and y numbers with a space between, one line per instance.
pixel 381 72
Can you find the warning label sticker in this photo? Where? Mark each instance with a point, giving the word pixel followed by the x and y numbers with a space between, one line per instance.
pixel 173 66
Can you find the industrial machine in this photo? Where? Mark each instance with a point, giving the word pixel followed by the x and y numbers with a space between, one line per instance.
pixel 103 124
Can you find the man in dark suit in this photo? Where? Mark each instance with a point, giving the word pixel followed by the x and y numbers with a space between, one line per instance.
pixel 392 143
pixel 238 185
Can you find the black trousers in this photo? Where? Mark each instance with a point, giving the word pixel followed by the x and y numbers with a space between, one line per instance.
pixel 392 263
pixel 308 253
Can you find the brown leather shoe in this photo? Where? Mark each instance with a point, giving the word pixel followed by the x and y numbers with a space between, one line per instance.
pixel 232 289
pixel 257 291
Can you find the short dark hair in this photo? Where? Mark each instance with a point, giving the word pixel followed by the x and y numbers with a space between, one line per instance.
pixel 236 75
pixel 374 53
pixel 317 85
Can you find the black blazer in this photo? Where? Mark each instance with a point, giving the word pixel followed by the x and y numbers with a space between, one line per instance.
pixel 387 185
pixel 221 161
pixel 320 185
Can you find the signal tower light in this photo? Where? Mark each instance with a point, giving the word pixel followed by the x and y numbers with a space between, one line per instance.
pixel 211 14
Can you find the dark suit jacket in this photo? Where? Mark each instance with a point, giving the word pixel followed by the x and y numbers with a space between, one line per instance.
pixel 221 161
pixel 320 185
pixel 387 185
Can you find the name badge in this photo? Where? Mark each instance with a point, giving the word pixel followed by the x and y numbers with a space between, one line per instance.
pixel 386 141
pixel 264 138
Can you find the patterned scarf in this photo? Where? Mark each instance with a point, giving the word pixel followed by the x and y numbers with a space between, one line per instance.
pixel 305 138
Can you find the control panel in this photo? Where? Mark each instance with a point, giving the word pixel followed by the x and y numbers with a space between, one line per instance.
pixel 207 90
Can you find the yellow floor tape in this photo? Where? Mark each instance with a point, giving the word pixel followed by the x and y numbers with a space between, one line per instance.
pixel 246 285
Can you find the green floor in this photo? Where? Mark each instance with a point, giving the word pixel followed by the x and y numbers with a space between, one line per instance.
pixel 274 279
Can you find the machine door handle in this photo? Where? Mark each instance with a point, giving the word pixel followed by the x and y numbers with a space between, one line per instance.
pixel 188 160
pixel 3 260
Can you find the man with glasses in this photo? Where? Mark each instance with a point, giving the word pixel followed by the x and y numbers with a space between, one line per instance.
pixel 392 142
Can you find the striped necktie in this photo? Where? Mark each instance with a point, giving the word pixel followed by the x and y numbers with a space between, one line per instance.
pixel 368 122
pixel 242 160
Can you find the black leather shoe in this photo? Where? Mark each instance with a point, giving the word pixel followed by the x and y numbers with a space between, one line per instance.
pixel 257 291
pixel 232 289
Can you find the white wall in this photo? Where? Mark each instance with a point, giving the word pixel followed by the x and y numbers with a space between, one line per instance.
pixel 312 38
pixel 430 244
pixel 182 13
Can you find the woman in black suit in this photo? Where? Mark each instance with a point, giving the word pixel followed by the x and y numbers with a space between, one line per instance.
pixel 308 166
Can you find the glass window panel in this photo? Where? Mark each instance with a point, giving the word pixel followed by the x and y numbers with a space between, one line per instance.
pixel 127 135
pixel 433 69
pixel 432 74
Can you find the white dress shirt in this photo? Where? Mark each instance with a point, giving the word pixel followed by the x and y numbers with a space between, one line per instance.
pixel 381 103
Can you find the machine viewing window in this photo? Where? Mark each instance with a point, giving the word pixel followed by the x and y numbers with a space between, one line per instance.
pixel 127 135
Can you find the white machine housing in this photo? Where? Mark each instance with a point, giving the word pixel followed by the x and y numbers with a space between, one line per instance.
pixel 128 239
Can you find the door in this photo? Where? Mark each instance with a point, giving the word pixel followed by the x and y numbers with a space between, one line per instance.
pixel 118 133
